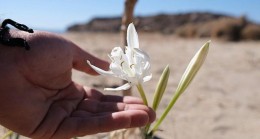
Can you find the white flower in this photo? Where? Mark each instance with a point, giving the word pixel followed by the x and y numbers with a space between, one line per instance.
pixel 132 66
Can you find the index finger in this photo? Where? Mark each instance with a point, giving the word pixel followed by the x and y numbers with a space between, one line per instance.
pixel 79 61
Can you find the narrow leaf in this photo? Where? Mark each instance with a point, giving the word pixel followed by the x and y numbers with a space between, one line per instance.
pixel 161 86
pixel 190 72
pixel 193 67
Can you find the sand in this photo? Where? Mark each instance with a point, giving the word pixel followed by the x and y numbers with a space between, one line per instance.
pixel 223 101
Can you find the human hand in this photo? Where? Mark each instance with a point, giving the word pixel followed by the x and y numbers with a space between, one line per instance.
pixel 38 99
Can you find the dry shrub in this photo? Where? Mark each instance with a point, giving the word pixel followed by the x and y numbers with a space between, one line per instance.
pixel 204 29
pixel 228 29
pixel 187 31
pixel 251 32
pixel 199 30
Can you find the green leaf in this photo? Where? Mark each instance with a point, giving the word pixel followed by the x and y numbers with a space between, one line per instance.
pixel 190 72
pixel 161 86
pixel 9 133
pixel 193 67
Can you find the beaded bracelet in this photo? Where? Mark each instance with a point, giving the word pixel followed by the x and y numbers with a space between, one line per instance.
pixel 13 41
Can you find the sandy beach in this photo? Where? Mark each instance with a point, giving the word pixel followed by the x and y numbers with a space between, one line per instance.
pixel 222 102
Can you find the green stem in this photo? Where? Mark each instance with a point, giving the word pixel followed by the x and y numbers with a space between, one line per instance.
pixel 142 93
pixel 7 134
pixel 17 136
pixel 169 107
pixel 147 127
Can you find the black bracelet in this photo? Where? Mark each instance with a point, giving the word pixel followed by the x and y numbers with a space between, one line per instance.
pixel 13 41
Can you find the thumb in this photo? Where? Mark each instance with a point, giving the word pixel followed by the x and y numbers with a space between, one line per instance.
pixel 80 58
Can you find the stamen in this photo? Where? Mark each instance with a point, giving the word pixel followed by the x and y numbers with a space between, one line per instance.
pixel 131 65
pixel 122 63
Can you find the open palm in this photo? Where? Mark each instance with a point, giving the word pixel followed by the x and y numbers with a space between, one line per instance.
pixel 38 99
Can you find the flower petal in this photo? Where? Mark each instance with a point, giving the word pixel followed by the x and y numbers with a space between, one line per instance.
pixel 132 37
pixel 147 78
pixel 142 54
pixel 116 69
pixel 129 54
pixel 120 88
pixel 132 65
pixel 100 71
pixel 117 52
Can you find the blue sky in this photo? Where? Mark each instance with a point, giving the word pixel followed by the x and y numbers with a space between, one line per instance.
pixel 59 14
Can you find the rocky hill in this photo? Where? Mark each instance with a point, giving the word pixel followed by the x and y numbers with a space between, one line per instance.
pixel 159 23
pixel 196 24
